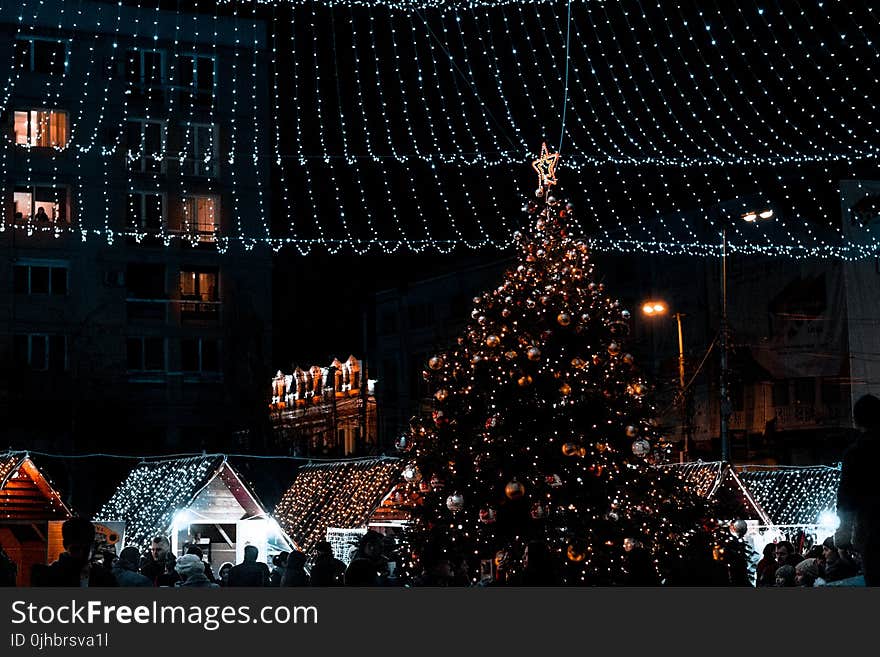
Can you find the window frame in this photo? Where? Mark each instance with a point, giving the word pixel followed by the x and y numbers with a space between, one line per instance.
pixel 31 218
pixel 141 225
pixel 197 296
pixel 31 40
pixel 163 68
pixel 143 369
pixel 191 161
pixel 143 158
pixel 194 87
pixel 200 340
pixel 190 202
pixel 47 359
pixel 30 136
pixel 50 265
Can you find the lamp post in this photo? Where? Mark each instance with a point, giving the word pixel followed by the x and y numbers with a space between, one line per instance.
pixel 752 216
pixel 653 309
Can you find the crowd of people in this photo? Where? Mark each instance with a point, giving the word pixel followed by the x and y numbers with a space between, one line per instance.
pixel 852 555
pixel 783 565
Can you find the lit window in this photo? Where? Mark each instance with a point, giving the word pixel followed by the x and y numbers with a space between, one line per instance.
pixel 199 285
pixel 42 128
pixel 42 278
pixel 145 354
pixel 201 158
pixel 46 56
pixel 43 205
pixel 145 211
pixel 202 216
pixel 146 145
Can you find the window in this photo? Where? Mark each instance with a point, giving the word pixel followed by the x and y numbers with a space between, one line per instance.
pixel 41 352
pixel 145 211
pixel 41 128
pixel 145 354
pixel 41 56
pixel 42 204
pixel 805 391
pixel 196 72
pixel 199 355
pixel 780 393
pixel 146 145
pixel 41 279
pixel 201 159
pixel 198 284
pixel 145 68
pixel 202 216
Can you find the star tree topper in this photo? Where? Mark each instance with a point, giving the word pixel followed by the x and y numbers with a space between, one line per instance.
pixel 546 166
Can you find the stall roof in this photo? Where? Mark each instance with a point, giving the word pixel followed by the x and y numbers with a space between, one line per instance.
pixel 25 494
pixel 343 494
pixel 157 489
pixel 793 495
pixel 777 495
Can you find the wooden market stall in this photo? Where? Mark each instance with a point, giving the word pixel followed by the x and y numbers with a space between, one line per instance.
pixel 340 501
pixel 199 500
pixel 31 513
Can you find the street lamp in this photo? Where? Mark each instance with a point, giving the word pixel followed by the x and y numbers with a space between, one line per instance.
pixel 752 216
pixel 653 309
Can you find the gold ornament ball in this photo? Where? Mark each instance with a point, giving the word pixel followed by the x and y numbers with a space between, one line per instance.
pixel 534 353
pixel 631 431
pixel 435 363
pixel 525 381
pixel 564 319
pixel 577 363
pixel 441 394
pixel 510 355
pixel 628 359
pixel 613 348
pixel 575 553
pixel 569 449
pixel 565 389
pixel 493 341
pixel 514 490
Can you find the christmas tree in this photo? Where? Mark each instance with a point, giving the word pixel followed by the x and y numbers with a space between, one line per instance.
pixel 537 462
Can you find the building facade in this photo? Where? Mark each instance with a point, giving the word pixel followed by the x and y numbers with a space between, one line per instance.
pixel 325 411
pixel 130 179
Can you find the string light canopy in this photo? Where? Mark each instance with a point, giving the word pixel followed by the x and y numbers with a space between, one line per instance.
pixel 393 122
pixel 340 495
pixel 155 491
pixel 785 496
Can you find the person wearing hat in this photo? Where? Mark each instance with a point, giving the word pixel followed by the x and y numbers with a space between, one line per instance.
pixel 192 573
pixel 125 569
pixel 785 575
pixel 858 493
pixel 834 565
pixel 806 572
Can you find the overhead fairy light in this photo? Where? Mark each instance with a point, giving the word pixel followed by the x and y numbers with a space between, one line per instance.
pixel 699 103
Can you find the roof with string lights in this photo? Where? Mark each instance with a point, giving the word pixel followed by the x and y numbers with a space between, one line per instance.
pixel 342 495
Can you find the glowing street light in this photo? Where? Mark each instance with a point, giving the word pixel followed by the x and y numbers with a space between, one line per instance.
pixel 654 308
